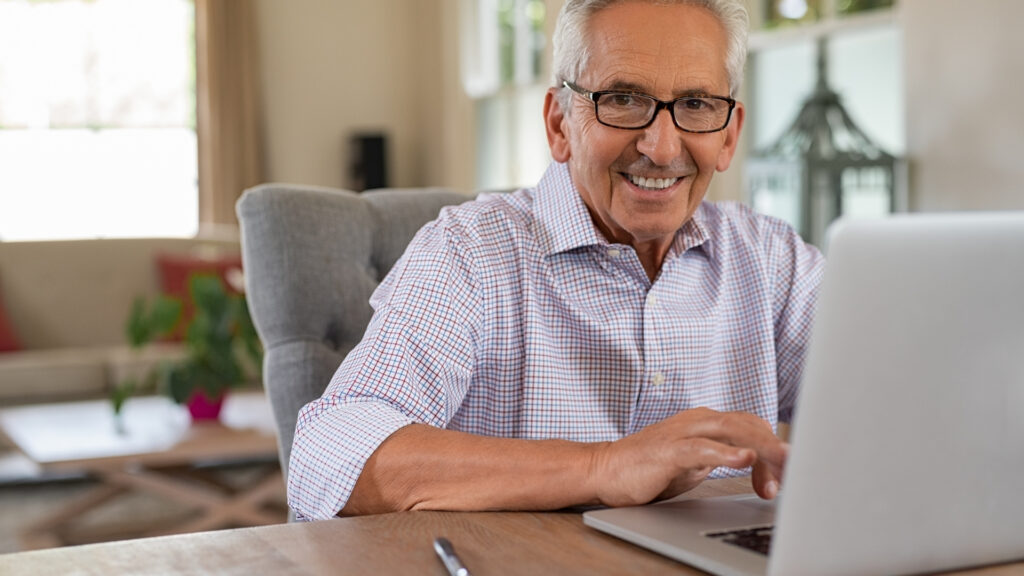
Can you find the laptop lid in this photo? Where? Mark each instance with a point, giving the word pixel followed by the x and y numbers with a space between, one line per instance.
pixel 909 432
pixel 908 443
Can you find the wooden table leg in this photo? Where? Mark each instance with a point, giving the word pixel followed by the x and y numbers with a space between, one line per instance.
pixel 244 508
pixel 219 510
pixel 45 532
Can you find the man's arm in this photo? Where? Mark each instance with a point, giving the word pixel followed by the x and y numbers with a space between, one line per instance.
pixel 422 467
pixel 797 270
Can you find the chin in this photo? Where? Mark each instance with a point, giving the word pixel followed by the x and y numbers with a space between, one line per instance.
pixel 656 220
pixel 653 231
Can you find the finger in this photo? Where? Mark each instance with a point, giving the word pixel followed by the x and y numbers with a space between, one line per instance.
pixel 698 458
pixel 704 453
pixel 775 460
pixel 740 429
pixel 765 481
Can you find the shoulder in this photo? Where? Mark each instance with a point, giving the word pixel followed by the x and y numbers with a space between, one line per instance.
pixel 739 235
pixel 734 222
pixel 489 213
pixel 472 235
pixel 737 231
pixel 469 244
pixel 490 224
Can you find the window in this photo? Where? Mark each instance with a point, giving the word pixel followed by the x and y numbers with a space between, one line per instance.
pixel 788 12
pixel 504 70
pixel 97 119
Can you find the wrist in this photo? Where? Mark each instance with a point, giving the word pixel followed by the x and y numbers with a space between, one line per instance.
pixel 595 480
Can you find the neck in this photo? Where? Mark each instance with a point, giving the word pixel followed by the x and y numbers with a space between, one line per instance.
pixel 650 252
pixel 651 255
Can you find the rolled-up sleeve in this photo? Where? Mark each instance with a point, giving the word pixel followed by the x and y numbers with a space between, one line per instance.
pixel 413 365
pixel 331 446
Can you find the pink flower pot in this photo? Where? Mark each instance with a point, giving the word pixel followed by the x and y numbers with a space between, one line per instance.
pixel 201 407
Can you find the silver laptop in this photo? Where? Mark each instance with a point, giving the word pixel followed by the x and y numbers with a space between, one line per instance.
pixel 907 448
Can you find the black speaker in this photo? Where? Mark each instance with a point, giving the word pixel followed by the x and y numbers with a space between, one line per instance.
pixel 369 167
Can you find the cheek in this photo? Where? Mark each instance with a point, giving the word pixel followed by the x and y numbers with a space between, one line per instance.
pixel 705 152
pixel 594 150
pixel 586 134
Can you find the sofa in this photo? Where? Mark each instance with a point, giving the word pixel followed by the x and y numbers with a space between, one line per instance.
pixel 64 305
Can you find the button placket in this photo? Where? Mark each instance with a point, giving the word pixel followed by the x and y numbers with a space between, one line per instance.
pixel 655 377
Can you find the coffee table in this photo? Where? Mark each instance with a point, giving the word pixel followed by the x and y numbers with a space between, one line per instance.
pixel 160 452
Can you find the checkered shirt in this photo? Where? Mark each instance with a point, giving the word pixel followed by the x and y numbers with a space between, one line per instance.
pixel 513 316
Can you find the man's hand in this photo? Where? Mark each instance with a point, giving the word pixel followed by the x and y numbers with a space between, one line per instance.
pixel 676 454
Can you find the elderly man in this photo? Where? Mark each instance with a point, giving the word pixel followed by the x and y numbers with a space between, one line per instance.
pixel 604 338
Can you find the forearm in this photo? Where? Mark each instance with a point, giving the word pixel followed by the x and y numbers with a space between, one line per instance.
pixel 426 468
pixel 422 467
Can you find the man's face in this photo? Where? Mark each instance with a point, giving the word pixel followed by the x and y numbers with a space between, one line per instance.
pixel 666 52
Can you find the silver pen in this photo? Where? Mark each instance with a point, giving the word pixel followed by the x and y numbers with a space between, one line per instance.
pixel 446 552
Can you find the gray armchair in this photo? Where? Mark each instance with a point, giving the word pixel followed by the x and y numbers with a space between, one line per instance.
pixel 312 257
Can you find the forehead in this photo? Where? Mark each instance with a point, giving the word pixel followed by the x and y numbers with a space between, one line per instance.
pixel 665 50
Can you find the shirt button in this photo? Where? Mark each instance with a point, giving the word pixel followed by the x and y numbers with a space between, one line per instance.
pixel 613 252
pixel 652 299
pixel 658 379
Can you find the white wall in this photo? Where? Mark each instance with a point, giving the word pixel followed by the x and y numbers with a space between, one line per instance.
pixel 331 68
pixel 964 64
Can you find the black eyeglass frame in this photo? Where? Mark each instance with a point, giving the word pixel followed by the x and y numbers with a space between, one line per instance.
pixel 658 105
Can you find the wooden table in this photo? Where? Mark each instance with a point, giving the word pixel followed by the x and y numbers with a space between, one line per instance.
pixel 160 451
pixel 401 543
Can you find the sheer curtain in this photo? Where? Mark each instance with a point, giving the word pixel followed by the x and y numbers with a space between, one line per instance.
pixel 227 107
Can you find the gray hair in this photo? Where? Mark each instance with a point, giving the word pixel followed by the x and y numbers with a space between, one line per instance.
pixel 572 50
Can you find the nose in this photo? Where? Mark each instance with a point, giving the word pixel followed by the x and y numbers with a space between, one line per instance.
pixel 661 142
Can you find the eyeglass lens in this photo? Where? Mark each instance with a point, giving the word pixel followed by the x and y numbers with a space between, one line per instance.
pixel 696 114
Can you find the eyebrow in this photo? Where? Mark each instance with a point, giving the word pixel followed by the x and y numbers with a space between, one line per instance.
pixel 625 86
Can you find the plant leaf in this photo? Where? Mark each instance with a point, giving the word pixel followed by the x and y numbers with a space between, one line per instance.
pixel 136 328
pixel 165 314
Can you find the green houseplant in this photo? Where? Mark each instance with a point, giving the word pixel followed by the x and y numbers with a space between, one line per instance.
pixel 220 341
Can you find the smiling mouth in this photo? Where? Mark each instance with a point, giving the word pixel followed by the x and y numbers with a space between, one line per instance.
pixel 651 183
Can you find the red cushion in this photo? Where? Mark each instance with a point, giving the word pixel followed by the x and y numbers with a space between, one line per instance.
pixel 8 343
pixel 176 269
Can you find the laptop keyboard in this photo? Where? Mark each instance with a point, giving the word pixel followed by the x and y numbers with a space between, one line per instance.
pixel 758 538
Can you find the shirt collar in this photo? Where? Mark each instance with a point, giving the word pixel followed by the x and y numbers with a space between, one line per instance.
pixel 693 234
pixel 564 222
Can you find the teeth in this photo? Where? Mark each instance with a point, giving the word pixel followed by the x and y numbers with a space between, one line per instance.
pixel 652 183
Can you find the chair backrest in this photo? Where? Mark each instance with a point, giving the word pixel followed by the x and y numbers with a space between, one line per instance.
pixel 312 257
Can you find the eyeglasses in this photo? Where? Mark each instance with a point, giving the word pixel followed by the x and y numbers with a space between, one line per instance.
pixel 633 110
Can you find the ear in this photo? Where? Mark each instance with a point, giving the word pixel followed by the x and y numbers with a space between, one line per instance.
pixel 732 138
pixel 555 124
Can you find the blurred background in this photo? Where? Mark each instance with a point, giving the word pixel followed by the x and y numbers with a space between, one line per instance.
pixel 103 103
pixel 129 128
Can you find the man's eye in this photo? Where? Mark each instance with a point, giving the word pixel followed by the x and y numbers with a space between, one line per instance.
pixel 695 104
pixel 622 100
